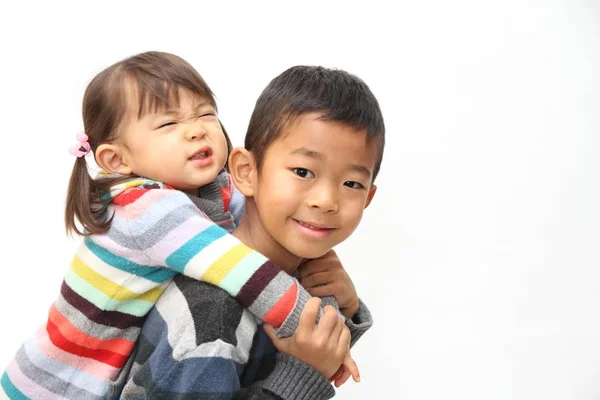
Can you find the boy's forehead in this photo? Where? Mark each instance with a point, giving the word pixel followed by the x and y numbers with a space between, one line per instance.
pixel 313 127
pixel 312 136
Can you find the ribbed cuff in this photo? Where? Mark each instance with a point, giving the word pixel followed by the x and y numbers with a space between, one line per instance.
pixel 330 301
pixel 290 324
pixel 360 323
pixel 293 379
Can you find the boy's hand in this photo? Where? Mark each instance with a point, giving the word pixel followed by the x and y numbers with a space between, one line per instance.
pixel 325 276
pixel 323 346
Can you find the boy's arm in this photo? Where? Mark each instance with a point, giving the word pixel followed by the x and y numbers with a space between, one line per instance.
pixel 172 232
pixel 290 379
pixel 179 359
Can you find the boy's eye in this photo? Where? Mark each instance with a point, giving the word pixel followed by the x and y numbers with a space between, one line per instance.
pixel 167 124
pixel 354 185
pixel 303 172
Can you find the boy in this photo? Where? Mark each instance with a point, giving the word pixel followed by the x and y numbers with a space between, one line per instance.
pixel 312 151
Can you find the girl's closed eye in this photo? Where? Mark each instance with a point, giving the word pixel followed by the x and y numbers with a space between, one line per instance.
pixel 303 173
pixel 170 123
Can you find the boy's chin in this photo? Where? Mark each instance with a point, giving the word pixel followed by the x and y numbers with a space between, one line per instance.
pixel 310 252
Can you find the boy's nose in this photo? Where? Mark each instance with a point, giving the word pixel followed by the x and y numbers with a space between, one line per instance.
pixel 325 200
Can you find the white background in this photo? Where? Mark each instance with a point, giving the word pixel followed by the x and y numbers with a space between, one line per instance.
pixel 479 255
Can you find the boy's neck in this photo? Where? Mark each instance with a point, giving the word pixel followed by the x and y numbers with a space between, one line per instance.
pixel 253 234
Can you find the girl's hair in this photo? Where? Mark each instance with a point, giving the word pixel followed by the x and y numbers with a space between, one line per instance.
pixel 158 77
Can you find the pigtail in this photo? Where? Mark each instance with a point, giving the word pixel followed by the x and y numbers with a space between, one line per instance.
pixel 83 202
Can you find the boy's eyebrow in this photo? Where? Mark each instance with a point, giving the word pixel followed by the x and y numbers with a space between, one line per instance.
pixel 361 169
pixel 313 154
pixel 307 152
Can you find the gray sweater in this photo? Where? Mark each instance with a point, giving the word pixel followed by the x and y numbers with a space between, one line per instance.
pixel 200 343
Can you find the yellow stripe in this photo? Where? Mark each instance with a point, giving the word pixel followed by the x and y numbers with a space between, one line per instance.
pixel 111 289
pixel 129 184
pixel 220 268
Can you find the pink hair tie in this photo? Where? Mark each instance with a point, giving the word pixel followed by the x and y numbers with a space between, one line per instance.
pixel 82 147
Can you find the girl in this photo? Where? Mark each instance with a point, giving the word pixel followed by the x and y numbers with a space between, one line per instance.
pixel 151 123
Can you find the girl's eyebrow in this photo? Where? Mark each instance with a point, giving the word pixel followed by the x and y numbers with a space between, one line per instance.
pixel 177 111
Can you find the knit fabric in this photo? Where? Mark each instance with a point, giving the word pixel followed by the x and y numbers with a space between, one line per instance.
pixel 199 343
pixel 116 278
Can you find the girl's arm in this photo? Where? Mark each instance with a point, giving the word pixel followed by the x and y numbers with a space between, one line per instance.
pixel 172 232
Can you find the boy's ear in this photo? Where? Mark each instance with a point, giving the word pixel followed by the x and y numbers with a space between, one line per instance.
pixel 371 195
pixel 109 157
pixel 241 169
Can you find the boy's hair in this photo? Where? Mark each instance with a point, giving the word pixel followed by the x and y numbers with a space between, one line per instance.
pixel 341 96
pixel 157 77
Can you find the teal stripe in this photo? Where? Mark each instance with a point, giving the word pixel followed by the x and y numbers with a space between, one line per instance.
pixel 182 256
pixel 158 275
pixel 135 307
pixel 10 389
pixel 242 272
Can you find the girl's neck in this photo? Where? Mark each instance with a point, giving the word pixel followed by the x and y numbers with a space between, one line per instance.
pixel 253 234
pixel 191 192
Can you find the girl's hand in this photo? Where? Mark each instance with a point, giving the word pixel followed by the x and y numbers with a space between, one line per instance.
pixel 324 345
pixel 325 276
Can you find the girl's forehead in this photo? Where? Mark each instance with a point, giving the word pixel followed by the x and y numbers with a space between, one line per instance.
pixel 142 101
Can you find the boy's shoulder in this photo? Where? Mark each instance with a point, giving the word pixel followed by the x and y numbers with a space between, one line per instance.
pixel 197 313
pixel 195 341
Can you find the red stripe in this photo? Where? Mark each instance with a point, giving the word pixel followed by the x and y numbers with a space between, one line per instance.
pixel 129 196
pixel 74 335
pixel 105 356
pixel 279 312
pixel 226 196
pixel 227 192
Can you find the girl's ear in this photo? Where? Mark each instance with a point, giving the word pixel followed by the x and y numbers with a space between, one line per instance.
pixel 242 170
pixel 110 158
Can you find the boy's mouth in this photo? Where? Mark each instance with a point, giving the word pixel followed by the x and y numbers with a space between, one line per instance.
pixel 313 226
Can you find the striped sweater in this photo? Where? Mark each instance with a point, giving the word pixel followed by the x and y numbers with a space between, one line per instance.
pixel 116 278
pixel 199 343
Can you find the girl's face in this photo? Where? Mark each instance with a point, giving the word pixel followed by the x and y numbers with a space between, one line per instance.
pixel 183 146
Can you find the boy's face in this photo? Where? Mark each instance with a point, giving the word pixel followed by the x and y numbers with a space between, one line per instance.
pixel 314 184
